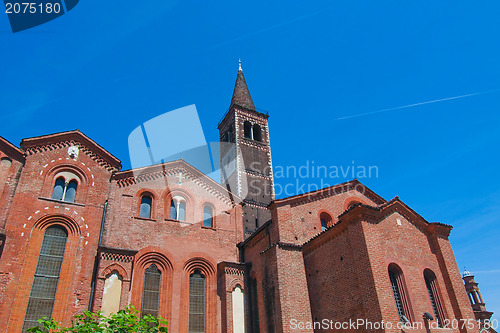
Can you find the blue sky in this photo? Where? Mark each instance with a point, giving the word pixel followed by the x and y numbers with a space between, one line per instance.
pixel 108 66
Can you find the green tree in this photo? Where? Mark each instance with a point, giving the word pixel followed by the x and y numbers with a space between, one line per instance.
pixel 124 321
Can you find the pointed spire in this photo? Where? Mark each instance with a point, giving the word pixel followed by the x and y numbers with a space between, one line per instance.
pixel 239 64
pixel 241 94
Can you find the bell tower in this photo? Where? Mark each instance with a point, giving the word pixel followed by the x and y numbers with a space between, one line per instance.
pixel 475 298
pixel 244 134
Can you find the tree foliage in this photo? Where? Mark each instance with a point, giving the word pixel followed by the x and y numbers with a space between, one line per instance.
pixel 124 321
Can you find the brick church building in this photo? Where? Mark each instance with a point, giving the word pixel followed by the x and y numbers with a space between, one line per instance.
pixel 78 233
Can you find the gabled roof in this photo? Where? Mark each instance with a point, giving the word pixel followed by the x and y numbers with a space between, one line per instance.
pixel 328 192
pixel 39 143
pixel 377 214
pixel 11 150
pixel 153 172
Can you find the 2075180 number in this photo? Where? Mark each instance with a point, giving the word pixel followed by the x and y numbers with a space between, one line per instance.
pixel 32 8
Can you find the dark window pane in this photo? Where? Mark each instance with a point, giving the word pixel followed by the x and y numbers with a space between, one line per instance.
pixel 151 291
pixel 58 191
pixel 397 295
pixel 173 210
pixel 257 133
pixel 146 202
pixel 196 303
pixel 48 269
pixel 430 283
pixel 71 191
pixel 207 217
pixel 247 128
pixel 323 225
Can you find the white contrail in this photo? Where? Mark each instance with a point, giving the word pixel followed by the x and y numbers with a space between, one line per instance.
pixel 416 104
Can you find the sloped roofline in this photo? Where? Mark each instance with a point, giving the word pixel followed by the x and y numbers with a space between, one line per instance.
pixel 76 135
pixel 11 149
pixel 167 165
pixel 328 191
pixel 379 212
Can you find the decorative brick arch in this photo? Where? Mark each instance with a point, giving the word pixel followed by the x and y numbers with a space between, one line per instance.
pixel 145 258
pixel 82 179
pixel 348 202
pixel 327 216
pixel 188 198
pixel 112 268
pixel 210 204
pixel 235 282
pixel 55 219
pixel 29 266
pixel 154 202
pixel 207 268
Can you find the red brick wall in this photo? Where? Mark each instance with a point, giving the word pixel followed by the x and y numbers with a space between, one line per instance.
pixel 32 213
pixel 414 249
pixel 340 280
pixel 180 248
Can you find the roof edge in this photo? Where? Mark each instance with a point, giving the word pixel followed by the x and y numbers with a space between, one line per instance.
pixel 12 150
pixel 76 135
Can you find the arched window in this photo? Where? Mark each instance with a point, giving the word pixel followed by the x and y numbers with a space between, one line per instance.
pixel 257 133
pixel 247 129
pixel 59 186
pixel 326 220
pixel 5 162
pixel 399 293
pixel 430 282
pixel 208 216
pixel 151 291
pixel 178 208
pixel 173 210
pixel 146 202
pixel 65 191
pixel 196 303
pixel 182 210
pixel 71 191
pixel 48 269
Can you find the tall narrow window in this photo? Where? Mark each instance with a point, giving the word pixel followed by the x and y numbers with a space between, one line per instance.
pixel 208 218
pixel 398 290
pixel 48 269
pixel 324 226
pixel 59 186
pixel 247 129
pixel 257 133
pixel 178 208
pixel 182 211
pixel 196 303
pixel 151 291
pixel 71 191
pixel 325 221
pixel 430 282
pixel 145 210
pixel 173 210
pixel 65 191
